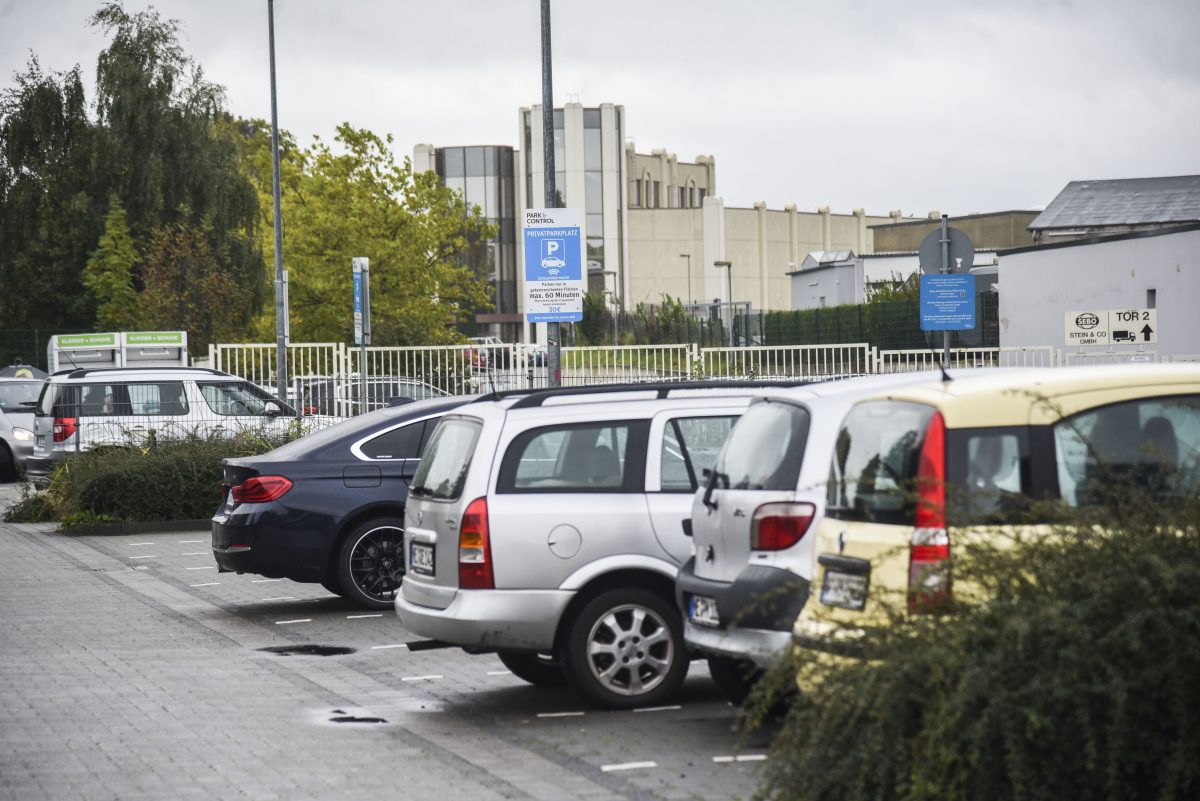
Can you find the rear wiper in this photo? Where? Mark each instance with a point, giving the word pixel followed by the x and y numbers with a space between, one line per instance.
pixel 713 476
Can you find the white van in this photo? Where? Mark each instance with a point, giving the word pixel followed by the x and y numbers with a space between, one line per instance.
pixel 82 409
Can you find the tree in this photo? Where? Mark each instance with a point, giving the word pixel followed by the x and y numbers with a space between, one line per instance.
pixel 49 219
pixel 186 287
pixel 110 271
pixel 358 201
pixel 160 142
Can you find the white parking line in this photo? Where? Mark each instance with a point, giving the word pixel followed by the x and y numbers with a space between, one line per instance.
pixel 385 647
pixel 628 766
pixel 300 620
pixel 196 553
pixel 360 617
pixel 658 708
pixel 725 760
pixel 499 672
pixel 206 567
pixel 189 542
pixel 423 678
pixel 263 581
pixel 560 714
pixel 207 584
pixel 143 556
pixel 282 598
pixel 137 544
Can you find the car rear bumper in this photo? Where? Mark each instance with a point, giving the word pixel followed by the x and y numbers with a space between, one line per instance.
pixel 486 619
pixel 756 611
pixel 39 468
pixel 264 542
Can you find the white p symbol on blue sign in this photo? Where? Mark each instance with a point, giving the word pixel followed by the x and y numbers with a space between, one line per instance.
pixel 552 255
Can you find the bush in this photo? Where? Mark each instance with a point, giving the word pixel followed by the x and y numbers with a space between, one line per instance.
pixel 163 480
pixel 1075 674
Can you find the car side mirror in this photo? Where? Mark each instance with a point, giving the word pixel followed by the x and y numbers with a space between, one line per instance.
pixel 272 409
pixel 687 526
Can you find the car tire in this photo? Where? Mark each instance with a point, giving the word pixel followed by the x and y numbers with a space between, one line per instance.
pixel 735 678
pixel 8 465
pixel 625 649
pixel 370 563
pixel 540 670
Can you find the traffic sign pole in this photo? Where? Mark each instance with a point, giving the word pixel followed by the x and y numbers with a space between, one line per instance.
pixel 945 269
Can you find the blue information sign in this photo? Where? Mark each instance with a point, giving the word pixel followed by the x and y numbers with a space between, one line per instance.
pixel 554 281
pixel 947 302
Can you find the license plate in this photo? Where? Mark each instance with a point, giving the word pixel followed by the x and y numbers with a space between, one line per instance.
pixel 703 611
pixel 847 590
pixel 420 558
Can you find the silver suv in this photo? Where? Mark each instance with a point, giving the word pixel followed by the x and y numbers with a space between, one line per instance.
pixel 742 591
pixel 548 528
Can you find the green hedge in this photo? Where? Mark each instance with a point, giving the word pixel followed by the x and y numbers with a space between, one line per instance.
pixel 166 480
pixel 1077 676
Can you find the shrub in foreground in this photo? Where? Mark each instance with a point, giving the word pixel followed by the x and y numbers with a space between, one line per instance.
pixel 1076 674
pixel 163 480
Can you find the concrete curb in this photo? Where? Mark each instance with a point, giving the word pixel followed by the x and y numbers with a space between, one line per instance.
pixel 117 529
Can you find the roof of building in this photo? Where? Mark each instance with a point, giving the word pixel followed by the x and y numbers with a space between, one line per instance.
pixel 1126 201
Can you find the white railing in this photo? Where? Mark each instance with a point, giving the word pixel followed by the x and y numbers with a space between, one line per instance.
pixel 903 361
pixel 463 369
pixel 625 364
pixel 787 361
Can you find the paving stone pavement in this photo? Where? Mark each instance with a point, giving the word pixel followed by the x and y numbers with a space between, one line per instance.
pixel 122 679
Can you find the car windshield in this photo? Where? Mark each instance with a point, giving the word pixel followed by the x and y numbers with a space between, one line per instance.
pixel 446 458
pixel 14 394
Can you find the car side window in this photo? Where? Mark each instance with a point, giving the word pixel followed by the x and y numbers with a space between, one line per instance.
pixel 166 398
pixel 240 399
pixel 1152 443
pixel 399 443
pixel 690 445
pixel 591 457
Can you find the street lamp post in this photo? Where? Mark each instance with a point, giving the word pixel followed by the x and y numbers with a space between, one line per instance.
pixel 613 297
pixel 281 288
pixel 728 265
pixel 688 256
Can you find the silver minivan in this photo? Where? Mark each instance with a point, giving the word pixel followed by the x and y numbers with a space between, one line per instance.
pixel 548 528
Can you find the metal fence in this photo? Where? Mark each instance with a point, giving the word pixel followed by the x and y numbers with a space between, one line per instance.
pixel 463 369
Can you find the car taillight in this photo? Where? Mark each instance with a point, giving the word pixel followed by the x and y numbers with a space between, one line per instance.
pixel 475 549
pixel 929 580
pixel 65 428
pixel 776 526
pixel 260 489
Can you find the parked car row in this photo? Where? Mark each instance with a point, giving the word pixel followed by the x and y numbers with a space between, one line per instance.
pixel 603 536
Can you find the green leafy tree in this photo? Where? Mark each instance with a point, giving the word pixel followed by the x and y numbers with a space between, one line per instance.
pixel 160 142
pixel 110 271
pixel 358 201
pixel 186 287
pixel 49 219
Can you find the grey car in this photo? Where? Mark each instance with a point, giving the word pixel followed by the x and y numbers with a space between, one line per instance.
pixel 548 528
pixel 18 399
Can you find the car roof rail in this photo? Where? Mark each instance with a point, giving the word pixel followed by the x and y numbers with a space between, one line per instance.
pixel 84 372
pixel 662 389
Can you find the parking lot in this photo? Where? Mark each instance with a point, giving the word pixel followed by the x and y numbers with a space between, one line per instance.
pixel 132 669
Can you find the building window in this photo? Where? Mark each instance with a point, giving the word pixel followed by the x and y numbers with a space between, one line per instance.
pixel 655 194
pixel 679 197
pixel 636 200
pixel 700 197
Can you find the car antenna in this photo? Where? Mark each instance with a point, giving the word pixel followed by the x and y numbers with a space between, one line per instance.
pixel 937 357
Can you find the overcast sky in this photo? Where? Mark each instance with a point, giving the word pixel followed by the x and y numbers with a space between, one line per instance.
pixel 957 106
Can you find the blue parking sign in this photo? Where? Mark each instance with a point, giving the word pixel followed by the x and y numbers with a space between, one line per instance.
pixel 947 302
pixel 554 281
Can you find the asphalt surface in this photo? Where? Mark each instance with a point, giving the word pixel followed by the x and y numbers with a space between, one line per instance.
pixel 131 669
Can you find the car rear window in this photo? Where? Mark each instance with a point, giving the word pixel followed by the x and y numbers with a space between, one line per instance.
pixel 447 457
pixel 765 449
pixel 875 462
pixel 1153 443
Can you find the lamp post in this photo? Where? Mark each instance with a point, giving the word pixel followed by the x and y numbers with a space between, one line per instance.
pixel 728 265
pixel 688 256
pixel 281 299
pixel 613 296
